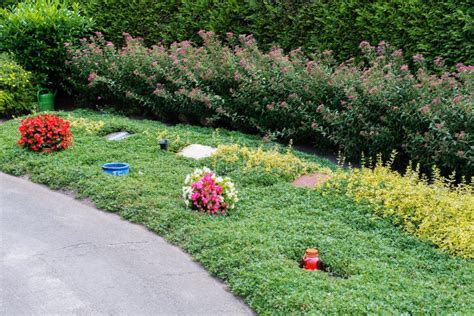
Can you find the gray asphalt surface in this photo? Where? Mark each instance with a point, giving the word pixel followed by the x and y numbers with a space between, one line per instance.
pixel 61 256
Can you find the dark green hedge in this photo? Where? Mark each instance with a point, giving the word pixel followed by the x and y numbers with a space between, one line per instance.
pixel 37 31
pixel 6 3
pixel 430 27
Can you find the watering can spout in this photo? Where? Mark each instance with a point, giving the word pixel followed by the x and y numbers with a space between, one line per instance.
pixel 46 99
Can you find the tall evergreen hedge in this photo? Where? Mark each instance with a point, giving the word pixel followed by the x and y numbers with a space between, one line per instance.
pixel 431 27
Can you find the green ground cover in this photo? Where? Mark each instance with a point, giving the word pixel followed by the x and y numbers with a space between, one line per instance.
pixel 374 266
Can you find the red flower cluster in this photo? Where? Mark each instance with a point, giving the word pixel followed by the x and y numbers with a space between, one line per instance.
pixel 45 133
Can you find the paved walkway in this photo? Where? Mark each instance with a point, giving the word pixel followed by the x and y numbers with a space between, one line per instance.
pixel 60 256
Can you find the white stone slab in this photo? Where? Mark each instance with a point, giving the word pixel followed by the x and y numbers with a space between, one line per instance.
pixel 118 135
pixel 197 151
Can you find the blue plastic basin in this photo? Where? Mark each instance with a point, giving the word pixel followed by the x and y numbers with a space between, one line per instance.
pixel 116 168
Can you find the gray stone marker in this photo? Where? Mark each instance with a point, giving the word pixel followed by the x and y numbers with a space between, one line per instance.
pixel 118 135
pixel 197 151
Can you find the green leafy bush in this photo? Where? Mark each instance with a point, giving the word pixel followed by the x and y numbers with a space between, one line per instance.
pixel 433 28
pixel 16 90
pixel 370 108
pixel 36 32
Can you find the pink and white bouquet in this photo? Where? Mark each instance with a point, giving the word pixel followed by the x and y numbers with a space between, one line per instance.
pixel 205 192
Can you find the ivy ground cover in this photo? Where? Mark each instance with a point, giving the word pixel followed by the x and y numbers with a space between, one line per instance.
pixel 373 266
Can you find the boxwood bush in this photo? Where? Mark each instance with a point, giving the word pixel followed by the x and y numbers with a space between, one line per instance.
pixel 433 28
pixel 36 32
pixel 372 107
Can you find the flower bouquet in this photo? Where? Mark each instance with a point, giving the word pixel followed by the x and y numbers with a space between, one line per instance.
pixel 207 193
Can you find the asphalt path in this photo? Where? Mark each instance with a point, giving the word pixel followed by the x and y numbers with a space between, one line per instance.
pixel 62 256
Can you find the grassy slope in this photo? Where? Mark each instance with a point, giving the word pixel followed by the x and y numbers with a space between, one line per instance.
pixel 376 267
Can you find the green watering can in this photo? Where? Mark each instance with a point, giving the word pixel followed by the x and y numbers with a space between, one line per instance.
pixel 46 100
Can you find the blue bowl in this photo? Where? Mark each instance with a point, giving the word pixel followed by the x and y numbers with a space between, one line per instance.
pixel 116 168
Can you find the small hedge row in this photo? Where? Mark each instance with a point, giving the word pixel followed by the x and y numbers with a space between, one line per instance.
pixel 370 108
pixel 434 28
pixel 437 212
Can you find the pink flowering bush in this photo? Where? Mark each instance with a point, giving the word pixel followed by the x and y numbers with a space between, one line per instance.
pixel 376 105
pixel 207 193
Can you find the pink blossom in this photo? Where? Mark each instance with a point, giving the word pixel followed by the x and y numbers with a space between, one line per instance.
pixel 320 108
pixel 425 109
pixel 404 68
pixel 381 48
pixel 237 76
pixel 418 58
pixel 463 68
pixel 275 52
pixel 438 61
pixel 91 76
pixel 364 45
pixel 292 96
pixel 436 101
pixel 397 53
pixel 439 125
pixel 457 99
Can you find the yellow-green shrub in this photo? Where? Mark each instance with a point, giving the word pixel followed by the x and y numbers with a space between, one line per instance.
pixel 285 165
pixel 90 126
pixel 439 211
pixel 16 90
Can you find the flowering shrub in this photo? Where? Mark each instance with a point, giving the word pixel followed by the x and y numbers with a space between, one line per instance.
pixel 437 212
pixel 207 193
pixel 372 107
pixel 45 133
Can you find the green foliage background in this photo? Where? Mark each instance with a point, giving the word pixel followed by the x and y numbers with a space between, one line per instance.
pixel 431 27
pixel 36 30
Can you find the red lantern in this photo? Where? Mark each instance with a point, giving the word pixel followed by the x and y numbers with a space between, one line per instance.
pixel 311 260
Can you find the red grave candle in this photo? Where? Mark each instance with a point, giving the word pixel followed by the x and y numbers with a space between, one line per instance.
pixel 311 260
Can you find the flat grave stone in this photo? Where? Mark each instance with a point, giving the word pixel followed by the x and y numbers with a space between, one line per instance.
pixel 311 180
pixel 197 151
pixel 118 135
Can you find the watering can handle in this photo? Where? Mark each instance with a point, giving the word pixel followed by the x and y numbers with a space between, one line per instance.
pixel 45 89
pixel 42 90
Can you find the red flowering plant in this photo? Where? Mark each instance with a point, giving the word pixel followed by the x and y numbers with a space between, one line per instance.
pixel 45 133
